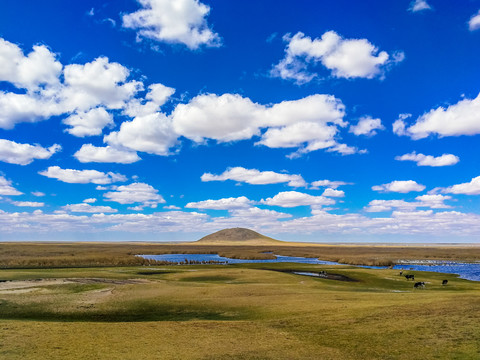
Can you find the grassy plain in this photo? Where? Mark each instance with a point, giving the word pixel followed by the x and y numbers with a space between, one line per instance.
pixel 82 254
pixel 245 311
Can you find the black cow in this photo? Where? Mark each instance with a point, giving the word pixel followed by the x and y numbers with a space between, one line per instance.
pixel 410 276
pixel 401 272
pixel 444 282
pixel 419 284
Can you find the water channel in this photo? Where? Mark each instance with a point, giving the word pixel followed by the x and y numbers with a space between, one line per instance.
pixel 469 271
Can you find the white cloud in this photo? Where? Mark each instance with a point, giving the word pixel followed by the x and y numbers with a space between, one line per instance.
pixel 228 117
pixel 419 5
pixel 329 192
pixel 52 89
pixel 345 58
pixel 23 154
pixel 434 201
pixel 328 184
pixel 171 207
pixel 89 123
pixel 461 118
pixel 82 176
pixel 470 188
pixel 256 177
pixel 135 193
pixel 399 186
pixel 107 154
pixel 399 126
pixel 28 203
pixel 367 126
pixel 474 22
pixel 311 123
pixel 151 133
pixel 90 200
pixel 429 201
pixel 38 68
pixel 87 208
pixel 178 22
pixel 17 108
pixel 221 204
pixel 6 187
pixel 38 193
pixel 99 82
pixel 293 199
pixel 429 160
pixel 157 95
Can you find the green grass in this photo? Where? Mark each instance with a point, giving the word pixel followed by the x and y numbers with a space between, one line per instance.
pixel 244 311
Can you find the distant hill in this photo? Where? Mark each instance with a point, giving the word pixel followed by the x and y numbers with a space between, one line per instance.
pixel 237 236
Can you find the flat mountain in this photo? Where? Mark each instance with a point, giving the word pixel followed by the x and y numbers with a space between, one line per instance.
pixel 237 236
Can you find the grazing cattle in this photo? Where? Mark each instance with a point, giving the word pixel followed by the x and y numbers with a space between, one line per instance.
pixel 419 284
pixel 401 272
pixel 444 282
pixel 409 276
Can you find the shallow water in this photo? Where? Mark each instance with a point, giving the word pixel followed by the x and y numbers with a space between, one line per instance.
pixel 469 271
pixel 178 258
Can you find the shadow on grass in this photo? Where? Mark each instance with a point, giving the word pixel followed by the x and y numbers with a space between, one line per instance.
pixel 138 312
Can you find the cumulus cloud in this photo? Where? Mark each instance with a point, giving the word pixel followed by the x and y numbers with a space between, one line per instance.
pixel 171 207
pixel 23 154
pixel 180 22
pixel 90 200
pixel 87 94
pixel 290 199
pixel 399 126
pixel 38 193
pixel 367 126
pixel 458 119
pixel 470 188
pixel 400 186
pixel 474 22
pixel 135 193
pixel 87 208
pixel 310 123
pixel 151 133
pixel 84 92
pixel 329 192
pixel 82 176
pixel 38 68
pixel 454 224
pixel 345 58
pixel 28 203
pixel 429 160
pixel 97 82
pixel 221 204
pixel 256 177
pixel 107 154
pixel 89 123
pixel 429 201
pixel 6 187
pixel 157 95
pixel 419 5
pixel 328 184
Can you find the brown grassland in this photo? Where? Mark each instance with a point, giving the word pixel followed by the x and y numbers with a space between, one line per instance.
pixel 84 254
pixel 98 301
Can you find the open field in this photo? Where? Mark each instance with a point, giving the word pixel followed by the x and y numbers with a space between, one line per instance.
pixel 247 311
pixel 42 255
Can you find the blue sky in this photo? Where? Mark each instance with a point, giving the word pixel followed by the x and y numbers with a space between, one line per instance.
pixel 317 121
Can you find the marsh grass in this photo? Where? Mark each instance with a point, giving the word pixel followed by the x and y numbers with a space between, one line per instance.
pixel 56 255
